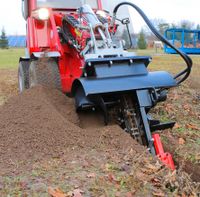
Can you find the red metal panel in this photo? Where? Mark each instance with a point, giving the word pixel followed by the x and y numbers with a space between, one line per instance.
pixel 70 69
pixel 32 43
pixel 42 34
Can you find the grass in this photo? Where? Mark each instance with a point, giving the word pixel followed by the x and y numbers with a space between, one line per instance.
pixel 170 62
pixel 9 58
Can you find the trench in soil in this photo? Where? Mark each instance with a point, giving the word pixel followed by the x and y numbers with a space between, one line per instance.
pixel 94 119
pixel 192 169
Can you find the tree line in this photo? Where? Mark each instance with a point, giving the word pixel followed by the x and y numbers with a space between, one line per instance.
pixel 161 25
pixel 143 37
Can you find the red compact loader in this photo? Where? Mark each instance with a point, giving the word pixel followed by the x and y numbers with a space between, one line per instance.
pixel 73 45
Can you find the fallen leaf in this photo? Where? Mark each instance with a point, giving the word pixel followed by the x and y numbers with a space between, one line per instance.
pixel 152 168
pixel 159 194
pixel 76 186
pixel 181 141
pixel 118 194
pixel 70 194
pixel 192 126
pixel 169 108
pixel 126 168
pixel 197 157
pixel 176 96
pixel 112 178
pixel 91 175
pixel 77 193
pixel 177 126
pixel 156 182
pixel 129 194
pixel 186 107
pixel 141 176
pixel 86 164
pixel 56 192
pixel 108 167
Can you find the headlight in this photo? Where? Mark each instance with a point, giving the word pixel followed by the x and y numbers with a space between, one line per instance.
pixel 102 13
pixel 41 14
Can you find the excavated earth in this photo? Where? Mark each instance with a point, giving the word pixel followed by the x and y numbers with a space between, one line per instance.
pixel 41 125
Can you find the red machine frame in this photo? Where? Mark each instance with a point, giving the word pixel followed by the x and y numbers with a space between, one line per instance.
pixel 42 36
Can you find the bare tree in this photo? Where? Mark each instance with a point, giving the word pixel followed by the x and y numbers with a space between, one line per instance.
pixel 186 24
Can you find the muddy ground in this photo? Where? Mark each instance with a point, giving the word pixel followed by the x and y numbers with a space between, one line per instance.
pixel 45 147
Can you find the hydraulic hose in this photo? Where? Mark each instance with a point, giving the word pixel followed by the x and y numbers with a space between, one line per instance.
pixel 186 72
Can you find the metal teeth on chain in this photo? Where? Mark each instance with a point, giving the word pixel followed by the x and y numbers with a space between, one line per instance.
pixel 134 130
pixel 131 115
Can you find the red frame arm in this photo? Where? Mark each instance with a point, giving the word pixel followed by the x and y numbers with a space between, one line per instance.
pixel 166 158
pixel 100 4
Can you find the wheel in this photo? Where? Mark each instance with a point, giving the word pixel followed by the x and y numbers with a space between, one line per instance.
pixel 23 75
pixel 44 72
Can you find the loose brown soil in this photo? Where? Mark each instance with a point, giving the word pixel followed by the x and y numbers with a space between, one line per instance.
pixel 42 123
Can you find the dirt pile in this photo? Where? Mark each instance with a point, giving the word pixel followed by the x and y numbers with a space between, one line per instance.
pixel 42 123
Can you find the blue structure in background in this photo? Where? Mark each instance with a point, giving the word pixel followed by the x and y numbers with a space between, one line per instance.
pixel 16 41
pixel 187 41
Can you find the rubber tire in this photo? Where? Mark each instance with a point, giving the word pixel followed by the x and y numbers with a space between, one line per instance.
pixel 44 72
pixel 23 75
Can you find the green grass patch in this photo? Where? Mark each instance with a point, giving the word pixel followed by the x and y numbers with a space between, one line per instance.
pixel 9 58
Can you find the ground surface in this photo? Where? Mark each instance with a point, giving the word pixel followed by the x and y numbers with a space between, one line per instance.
pixel 43 143
pixel 182 106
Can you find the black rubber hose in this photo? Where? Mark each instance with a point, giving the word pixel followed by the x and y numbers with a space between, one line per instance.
pixel 129 35
pixel 186 72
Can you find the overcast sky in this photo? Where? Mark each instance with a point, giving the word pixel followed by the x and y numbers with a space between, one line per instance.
pixel 169 10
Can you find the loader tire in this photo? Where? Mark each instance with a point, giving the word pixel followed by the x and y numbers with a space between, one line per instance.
pixel 23 75
pixel 44 72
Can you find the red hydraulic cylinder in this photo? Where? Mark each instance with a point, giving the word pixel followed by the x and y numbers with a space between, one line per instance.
pixel 166 158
